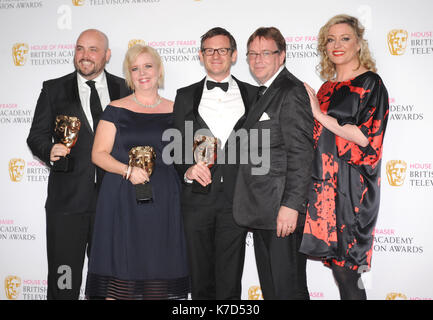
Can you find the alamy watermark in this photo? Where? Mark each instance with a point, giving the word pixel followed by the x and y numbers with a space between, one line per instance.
pixel 242 147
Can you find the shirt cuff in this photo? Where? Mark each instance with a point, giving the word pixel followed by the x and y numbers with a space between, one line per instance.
pixel 187 180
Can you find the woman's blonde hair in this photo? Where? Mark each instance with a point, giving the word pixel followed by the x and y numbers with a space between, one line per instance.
pixel 326 67
pixel 130 57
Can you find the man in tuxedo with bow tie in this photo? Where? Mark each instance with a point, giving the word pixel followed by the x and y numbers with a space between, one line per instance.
pixel 71 197
pixel 220 104
pixel 273 204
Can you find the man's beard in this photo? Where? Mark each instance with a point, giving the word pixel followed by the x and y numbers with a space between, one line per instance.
pixel 90 71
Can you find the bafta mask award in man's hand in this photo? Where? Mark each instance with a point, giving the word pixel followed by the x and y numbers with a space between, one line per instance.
pixel 205 150
pixel 143 157
pixel 66 130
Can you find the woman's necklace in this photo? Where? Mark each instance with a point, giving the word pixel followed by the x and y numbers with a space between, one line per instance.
pixel 158 101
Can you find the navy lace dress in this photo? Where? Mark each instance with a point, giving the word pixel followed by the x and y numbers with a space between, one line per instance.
pixel 138 250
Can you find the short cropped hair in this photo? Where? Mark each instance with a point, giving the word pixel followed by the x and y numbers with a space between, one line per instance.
pixel 218 31
pixel 270 33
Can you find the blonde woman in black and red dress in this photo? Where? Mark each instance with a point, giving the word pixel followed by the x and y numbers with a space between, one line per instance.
pixel 351 112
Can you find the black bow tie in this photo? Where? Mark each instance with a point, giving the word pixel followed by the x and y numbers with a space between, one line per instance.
pixel 212 84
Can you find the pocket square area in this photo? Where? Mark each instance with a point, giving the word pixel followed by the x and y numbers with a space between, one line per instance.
pixel 264 117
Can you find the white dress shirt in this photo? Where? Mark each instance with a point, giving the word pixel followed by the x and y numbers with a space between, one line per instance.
pixel 84 92
pixel 221 110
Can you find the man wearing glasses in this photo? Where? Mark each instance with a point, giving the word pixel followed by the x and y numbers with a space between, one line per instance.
pixel 220 104
pixel 273 205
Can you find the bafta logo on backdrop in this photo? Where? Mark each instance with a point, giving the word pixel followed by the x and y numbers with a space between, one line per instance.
pixel 133 42
pixel 78 3
pixel 19 53
pixel 12 287
pixel 395 296
pixel 16 169
pixel 397 41
pixel 396 172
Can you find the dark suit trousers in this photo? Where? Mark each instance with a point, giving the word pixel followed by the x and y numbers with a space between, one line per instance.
pixel 281 268
pixel 68 238
pixel 216 249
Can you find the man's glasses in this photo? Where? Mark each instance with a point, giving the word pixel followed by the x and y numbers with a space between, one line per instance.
pixel 211 51
pixel 265 54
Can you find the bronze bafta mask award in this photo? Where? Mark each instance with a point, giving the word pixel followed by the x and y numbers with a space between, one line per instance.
pixel 66 130
pixel 143 157
pixel 205 150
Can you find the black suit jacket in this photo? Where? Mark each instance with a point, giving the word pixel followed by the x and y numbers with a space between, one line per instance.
pixel 258 197
pixel 70 192
pixel 186 109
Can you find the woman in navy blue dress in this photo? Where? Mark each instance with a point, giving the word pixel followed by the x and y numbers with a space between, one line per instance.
pixel 351 113
pixel 138 249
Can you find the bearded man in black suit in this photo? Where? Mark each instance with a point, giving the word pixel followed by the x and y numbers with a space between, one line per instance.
pixel 71 198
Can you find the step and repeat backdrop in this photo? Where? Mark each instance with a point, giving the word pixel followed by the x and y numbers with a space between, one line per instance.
pixel 37 43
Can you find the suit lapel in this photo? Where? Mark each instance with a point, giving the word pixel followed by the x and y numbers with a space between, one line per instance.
pixel 197 94
pixel 259 107
pixel 113 87
pixel 263 103
pixel 244 95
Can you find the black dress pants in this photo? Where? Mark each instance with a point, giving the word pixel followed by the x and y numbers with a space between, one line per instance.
pixel 216 250
pixel 280 266
pixel 68 238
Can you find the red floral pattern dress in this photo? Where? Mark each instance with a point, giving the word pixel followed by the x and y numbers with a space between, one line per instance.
pixel 344 200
